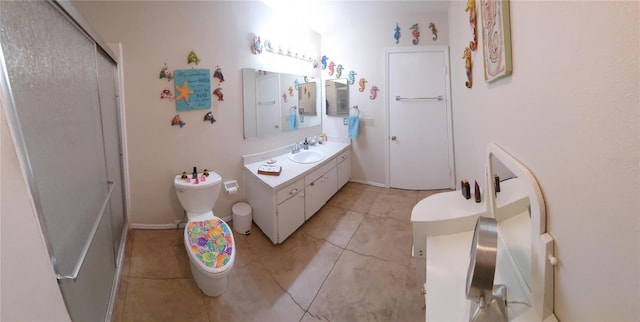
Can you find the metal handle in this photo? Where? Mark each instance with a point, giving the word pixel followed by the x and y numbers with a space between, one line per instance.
pixel 293 192
pixel 399 98
pixel 265 103
pixel 92 234
pixel 393 138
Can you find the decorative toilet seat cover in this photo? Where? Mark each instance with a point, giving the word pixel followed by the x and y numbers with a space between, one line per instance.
pixel 211 242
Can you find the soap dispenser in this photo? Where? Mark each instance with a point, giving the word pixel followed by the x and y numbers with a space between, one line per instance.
pixel 305 145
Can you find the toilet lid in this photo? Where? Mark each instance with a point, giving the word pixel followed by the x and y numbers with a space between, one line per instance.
pixel 211 242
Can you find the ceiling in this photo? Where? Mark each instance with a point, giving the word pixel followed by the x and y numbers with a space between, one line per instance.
pixel 323 15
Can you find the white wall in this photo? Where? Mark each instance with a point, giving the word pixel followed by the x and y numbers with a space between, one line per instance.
pixel 358 44
pixel 28 287
pixel 570 114
pixel 153 33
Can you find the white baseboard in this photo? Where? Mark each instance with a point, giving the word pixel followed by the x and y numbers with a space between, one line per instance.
pixel 153 226
pixel 371 183
pixel 168 226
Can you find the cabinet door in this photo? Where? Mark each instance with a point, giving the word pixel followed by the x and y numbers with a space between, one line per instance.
pixel 290 215
pixel 344 169
pixel 318 192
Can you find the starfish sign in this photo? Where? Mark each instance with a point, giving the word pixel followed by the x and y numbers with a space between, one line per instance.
pixel 184 92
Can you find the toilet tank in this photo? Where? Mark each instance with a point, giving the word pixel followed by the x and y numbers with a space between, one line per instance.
pixel 198 198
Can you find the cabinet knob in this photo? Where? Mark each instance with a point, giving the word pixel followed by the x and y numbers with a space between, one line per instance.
pixel 393 138
pixel 293 192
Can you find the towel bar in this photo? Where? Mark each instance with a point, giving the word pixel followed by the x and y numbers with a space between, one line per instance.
pixel 92 234
pixel 439 98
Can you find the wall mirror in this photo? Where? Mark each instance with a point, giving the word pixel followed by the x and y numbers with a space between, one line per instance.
pixel 337 93
pixel 307 99
pixel 515 201
pixel 278 102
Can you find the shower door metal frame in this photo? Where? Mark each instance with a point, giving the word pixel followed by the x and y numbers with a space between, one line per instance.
pixel 69 12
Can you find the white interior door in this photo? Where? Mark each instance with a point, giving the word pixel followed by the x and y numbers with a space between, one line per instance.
pixel 420 147
pixel 268 105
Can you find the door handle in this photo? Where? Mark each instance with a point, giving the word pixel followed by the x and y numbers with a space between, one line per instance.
pixel 393 138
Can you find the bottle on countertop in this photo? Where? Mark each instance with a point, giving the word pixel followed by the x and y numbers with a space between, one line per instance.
pixel 305 145
pixel 195 173
pixel 466 189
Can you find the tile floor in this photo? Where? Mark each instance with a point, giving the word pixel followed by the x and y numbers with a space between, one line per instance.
pixel 350 262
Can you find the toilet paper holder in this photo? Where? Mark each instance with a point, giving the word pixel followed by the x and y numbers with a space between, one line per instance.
pixel 231 186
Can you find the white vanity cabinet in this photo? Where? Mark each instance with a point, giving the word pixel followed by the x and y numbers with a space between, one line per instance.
pixel 281 204
pixel 343 168
pixel 321 184
pixel 277 212
pixel 290 211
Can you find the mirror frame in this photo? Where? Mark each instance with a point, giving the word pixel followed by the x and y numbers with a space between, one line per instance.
pixel 542 258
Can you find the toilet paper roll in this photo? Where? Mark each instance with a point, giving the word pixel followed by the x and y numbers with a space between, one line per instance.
pixel 232 191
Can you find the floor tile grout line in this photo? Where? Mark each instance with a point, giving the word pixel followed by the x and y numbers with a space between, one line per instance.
pixel 342 249
pixel 323 281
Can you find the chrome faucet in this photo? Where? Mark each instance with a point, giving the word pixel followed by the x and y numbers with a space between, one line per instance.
pixel 295 148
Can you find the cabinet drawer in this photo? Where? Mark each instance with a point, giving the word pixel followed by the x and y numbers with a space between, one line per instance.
pixel 344 156
pixel 289 191
pixel 319 192
pixel 313 176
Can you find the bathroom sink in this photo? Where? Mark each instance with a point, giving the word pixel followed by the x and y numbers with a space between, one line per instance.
pixel 306 156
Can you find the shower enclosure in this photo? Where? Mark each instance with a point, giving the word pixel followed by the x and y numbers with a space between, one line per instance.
pixel 59 85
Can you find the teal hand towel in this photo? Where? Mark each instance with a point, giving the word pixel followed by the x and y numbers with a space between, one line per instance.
pixel 293 122
pixel 354 124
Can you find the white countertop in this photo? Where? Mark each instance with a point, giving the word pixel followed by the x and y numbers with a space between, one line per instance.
pixel 291 170
pixel 447 265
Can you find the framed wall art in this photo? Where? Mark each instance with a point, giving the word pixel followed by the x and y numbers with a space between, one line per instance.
pixel 496 39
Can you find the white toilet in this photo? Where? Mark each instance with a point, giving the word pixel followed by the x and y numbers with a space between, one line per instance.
pixel 207 238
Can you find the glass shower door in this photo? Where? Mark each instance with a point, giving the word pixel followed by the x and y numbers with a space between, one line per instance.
pixel 107 72
pixel 52 72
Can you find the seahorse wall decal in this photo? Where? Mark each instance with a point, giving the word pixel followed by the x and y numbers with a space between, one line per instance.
pixel 323 61
pixel 434 31
pixel 339 70
pixel 374 92
pixel 396 35
pixel 467 66
pixel 415 33
pixel 361 84
pixel 471 8
pixel 352 77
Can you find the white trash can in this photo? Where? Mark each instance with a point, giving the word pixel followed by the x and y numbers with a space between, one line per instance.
pixel 241 215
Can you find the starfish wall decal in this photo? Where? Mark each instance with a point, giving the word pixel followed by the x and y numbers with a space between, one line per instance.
pixel 184 92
